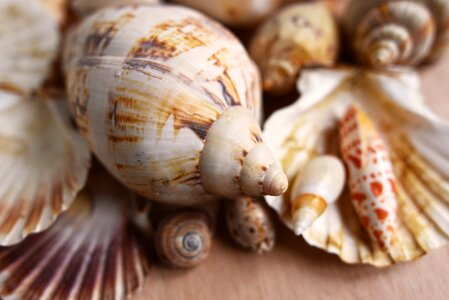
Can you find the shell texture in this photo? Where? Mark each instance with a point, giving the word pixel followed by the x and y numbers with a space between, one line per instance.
pixel 250 225
pixel 58 8
pixel 299 35
pixel 184 239
pixel 176 109
pixel 234 12
pixel 29 41
pixel 399 32
pixel 86 7
pixel 95 250
pixel 43 165
pixel 384 124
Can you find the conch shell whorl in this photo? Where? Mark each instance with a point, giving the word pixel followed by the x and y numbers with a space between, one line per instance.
pixel 390 33
pixel 169 101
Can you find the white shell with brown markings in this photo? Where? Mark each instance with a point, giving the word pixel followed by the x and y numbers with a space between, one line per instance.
pixel 169 101
pixel 413 137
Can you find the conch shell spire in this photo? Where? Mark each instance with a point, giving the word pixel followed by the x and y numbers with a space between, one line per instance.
pixel 318 184
pixel 371 177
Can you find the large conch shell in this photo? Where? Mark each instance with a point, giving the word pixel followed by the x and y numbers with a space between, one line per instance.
pixel 85 7
pixel 95 250
pixel 384 124
pixel 29 41
pixel 168 100
pixel 43 164
pixel 234 12
pixel 300 35
pixel 399 32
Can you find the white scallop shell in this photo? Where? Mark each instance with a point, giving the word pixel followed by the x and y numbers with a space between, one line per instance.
pixel 416 140
pixel 29 41
pixel 98 249
pixel 43 164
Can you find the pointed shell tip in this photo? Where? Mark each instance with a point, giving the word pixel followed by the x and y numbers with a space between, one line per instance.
pixel 275 182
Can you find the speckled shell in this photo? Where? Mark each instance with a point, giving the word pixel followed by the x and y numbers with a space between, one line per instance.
pixel 398 32
pixel 250 225
pixel 29 41
pixel 43 165
pixel 174 114
pixel 404 135
pixel 183 239
pixel 96 250
pixel 86 7
pixel 234 12
pixel 300 35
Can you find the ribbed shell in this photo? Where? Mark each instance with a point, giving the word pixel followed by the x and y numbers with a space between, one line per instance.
pixel 29 41
pixel 85 7
pixel 409 24
pixel 43 165
pixel 95 250
pixel 440 11
pixel 416 141
pixel 146 83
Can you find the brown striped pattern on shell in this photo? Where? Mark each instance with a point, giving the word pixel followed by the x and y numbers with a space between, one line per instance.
pixel 167 73
pixel 415 138
pixel 43 164
pixel 95 250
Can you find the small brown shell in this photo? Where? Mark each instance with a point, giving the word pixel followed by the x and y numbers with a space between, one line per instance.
pixel 184 239
pixel 250 225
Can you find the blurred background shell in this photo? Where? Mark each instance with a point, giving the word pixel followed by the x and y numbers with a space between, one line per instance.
pixel 235 13
pixel 415 139
pixel 399 32
pixel 298 36
pixel 86 7
pixel 95 250
pixel 175 113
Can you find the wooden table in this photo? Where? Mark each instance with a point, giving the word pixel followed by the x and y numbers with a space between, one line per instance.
pixel 295 270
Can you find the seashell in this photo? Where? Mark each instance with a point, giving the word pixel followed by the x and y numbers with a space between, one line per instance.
pixel 95 250
pixel 86 7
pixel 300 35
pixel 175 114
pixel 250 225
pixel 29 41
pixel 57 8
pixel 43 165
pixel 318 184
pixel 406 137
pixel 233 12
pixel 184 239
pixel 402 32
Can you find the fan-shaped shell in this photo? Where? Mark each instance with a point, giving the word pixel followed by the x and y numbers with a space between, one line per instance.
pixel 85 7
pixel 414 139
pixel 299 35
pixel 95 250
pixel 234 12
pixel 174 112
pixel 29 42
pixel 388 33
pixel 43 164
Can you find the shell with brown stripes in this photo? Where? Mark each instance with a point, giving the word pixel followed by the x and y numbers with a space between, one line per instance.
pixel 398 32
pixel 169 101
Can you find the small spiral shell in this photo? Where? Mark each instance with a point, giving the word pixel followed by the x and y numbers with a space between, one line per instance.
pixel 250 225
pixel 184 239
pixel 390 33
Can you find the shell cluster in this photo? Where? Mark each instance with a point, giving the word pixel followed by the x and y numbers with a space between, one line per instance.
pixel 169 101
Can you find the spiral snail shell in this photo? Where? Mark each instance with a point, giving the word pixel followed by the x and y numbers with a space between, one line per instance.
pixel 168 101
pixel 250 225
pixel 398 32
pixel 234 12
pixel 299 35
pixel 184 239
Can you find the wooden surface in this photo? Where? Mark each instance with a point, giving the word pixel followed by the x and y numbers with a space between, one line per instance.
pixel 295 270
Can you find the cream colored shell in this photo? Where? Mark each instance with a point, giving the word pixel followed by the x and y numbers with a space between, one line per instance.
pixel 416 141
pixel 234 12
pixel 168 100
pixel 29 41
pixel 85 7
pixel 298 36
